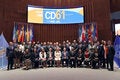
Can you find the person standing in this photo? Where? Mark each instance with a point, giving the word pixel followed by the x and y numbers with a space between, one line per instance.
pixel 111 53
pixel 101 51
pixel 10 56
pixel 105 60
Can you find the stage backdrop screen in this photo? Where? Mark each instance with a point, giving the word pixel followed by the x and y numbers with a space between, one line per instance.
pixel 37 14
pixel 117 29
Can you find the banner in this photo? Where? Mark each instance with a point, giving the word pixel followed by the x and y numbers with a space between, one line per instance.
pixel 117 52
pixel 37 14
pixel 88 32
pixel 3 46
pixel 23 32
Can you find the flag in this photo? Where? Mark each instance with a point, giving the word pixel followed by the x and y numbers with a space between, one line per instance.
pixel 22 34
pixel 19 33
pixel 3 46
pixel 117 52
pixel 94 33
pixel 25 33
pixel 28 34
pixel 83 33
pixel 80 33
pixel 14 33
pixel 31 33
pixel 87 33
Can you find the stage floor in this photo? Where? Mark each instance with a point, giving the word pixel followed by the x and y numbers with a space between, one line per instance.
pixel 60 74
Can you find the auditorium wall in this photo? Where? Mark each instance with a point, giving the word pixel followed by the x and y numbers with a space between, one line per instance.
pixel 95 11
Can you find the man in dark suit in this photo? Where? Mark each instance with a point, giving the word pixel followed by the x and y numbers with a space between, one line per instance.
pixel 80 58
pixel 110 56
pixel 64 57
pixel 100 50
pixel 35 58
pixel 10 56
pixel 72 57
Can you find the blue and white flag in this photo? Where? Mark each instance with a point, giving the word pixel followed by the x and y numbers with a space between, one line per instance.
pixel 3 46
pixel 117 52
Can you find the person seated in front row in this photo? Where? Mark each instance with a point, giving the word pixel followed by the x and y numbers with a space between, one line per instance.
pixel 42 58
pixel 57 56
pixel 72 57
pixel 35 58
pixel 64 57
pixel 80 58
pixel 27 59
pixel 50 57
pixel 17 56
pixel 95 60
pixel 87 58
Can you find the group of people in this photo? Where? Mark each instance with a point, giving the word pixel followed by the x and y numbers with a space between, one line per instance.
pixel 92 54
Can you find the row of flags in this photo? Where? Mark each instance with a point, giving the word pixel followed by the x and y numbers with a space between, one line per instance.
pixel 22 32
pixel 88 32
pixel 3 46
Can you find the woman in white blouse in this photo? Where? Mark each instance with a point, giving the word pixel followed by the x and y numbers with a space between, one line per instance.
pixel 57 56
pixel 42 57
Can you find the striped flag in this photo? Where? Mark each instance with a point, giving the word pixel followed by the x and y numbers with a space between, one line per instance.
pixel 94 33
pixel 28 34
pixel 22 34
pixel 31 33
pixel 80 33
pixel 14 33
pixel 83 33
pixel 19 33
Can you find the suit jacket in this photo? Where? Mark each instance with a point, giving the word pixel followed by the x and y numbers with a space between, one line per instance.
pixel 100 52
pixel 80 56
pixel 63 55
pixel 10 52
pixel 27 56
pixel 34 56
pixel 111 52
pixel 72 55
